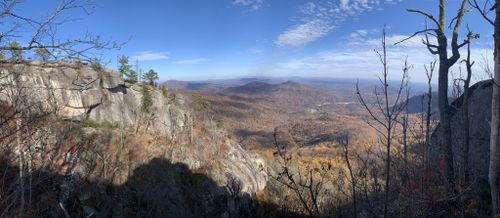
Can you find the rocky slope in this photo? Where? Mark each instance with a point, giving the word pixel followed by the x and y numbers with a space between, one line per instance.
pixel 76 92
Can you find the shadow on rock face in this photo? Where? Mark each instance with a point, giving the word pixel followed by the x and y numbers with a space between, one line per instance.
pixel 163 188
pixel 156 189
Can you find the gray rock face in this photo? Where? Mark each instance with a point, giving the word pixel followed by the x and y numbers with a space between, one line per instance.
pixel 77 92
pixel 479 125
pixel 248 170
pixel 80 93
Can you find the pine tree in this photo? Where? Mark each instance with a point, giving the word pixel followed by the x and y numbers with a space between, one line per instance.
pixel 124 67
pixel 146 99
pixel 15 54
pixel 42 53
pixel 132 76
pixel 150 77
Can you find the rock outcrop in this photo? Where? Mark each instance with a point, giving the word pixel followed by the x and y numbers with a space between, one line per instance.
pixel 479 125
pixel 77 92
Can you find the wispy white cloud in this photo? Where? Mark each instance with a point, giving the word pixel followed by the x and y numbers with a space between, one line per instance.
pixel 252 4
pixel 192 61
pixel 397 40
pixel 150 56
pixel 357 59
pixel 303 34
pixel 393 1
pixel 320 17
pixel 364 32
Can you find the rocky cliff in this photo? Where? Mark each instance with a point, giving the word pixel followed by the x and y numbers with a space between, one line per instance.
pixel 479 124
pixel 78 92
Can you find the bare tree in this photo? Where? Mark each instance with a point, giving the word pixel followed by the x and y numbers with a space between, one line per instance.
pixel 465 104
pixel 495 120
pixel 42 32
pixel 429 73
pixel 484 10
pixel 306 184
pixel 344 143
pixel 445 63
pixel 385 112
pixel 426 120
pixel 405 140
pixel 26 106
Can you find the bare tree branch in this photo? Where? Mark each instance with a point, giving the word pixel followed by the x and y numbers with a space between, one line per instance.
pixel 432 18
pixel 483 11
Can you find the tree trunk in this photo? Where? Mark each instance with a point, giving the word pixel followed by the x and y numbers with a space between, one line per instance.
pixel 495 116
pixel 388 173
pixel 465 105
pixel 466 135
pixel 444 124
pixel 351 174
pixel 405 147
pixel 428 115
pixel 20 154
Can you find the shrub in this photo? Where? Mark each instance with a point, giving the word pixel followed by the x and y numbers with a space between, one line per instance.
pixel 96 64
pixel 202 104
pixel 220 123
pixel 164 91
pixel 100 124
pixel 146 99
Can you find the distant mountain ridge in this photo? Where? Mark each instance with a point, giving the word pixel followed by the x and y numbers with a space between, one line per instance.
pixel 212 86
pixel 263 87
pixel 418 104
pixel 195 86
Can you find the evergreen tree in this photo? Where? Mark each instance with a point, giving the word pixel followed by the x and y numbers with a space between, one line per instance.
pixel 124 67
pixel 15 54
pixel 132 76
pixel 150 77
pixel 146 99
pixel 42 54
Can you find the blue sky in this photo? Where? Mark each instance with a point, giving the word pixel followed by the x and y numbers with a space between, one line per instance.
pixel 215 39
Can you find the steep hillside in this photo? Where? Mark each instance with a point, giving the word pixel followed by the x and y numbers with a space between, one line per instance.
pixel 418 104
pixel 252 111
pixel 98 121
pixel 289 96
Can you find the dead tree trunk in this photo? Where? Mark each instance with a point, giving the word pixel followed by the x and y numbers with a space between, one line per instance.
pixel 384 116
pixel 495 119
pixel 495 103
pixel 465 104
pixel 444 124
pixel 428 115
pixel 345 145
pixel 20 150
pixel 445 63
